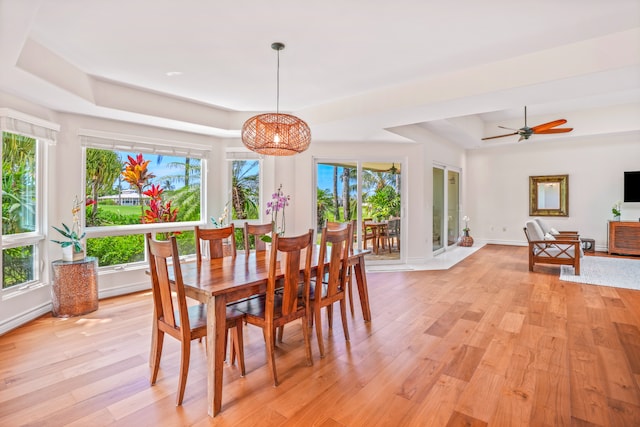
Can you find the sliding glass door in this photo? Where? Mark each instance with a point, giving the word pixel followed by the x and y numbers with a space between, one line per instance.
pixel 370 194
pixel 446 208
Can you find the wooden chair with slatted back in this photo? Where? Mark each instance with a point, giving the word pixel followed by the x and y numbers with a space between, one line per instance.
pixel 275 309
pixel 331 225
pixel 335 245
pixel 221 241
pixel 257 231
pixel 392 233
pixel 368 233
pixel 173 316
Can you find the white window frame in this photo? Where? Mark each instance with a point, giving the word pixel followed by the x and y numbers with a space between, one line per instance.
pixel 122 142
pixel 45 134
pixel 235 153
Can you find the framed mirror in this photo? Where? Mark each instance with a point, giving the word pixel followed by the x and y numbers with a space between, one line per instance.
pixel 549 195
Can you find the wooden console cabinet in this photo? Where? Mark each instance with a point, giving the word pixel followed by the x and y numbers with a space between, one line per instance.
pixel 624 237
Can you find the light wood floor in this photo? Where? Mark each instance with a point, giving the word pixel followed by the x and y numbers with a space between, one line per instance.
pixel 484 343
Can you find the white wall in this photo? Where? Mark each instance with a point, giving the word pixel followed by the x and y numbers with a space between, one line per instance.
pixel 497 184
pixel 494 190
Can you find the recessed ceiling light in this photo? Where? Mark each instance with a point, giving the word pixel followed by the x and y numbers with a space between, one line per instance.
pixel 173 73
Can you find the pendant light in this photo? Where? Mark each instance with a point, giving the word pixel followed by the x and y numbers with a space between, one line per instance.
pixel 276 134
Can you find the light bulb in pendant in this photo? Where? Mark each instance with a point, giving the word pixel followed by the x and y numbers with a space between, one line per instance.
pixel 276 138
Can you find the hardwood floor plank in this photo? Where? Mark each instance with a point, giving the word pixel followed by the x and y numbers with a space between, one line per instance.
pixel 436 409
pixel 515 405
pixel 464 362
pixel 620 385
pixel 588 398
pixel 551 401
pixel 629 336
pixel 484 343
pixel 623 414
pixel 486 383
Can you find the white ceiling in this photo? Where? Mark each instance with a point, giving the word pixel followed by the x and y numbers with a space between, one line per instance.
pixel 358 70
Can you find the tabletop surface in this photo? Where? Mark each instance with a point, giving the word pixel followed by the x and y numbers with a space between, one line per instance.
pixel 224 275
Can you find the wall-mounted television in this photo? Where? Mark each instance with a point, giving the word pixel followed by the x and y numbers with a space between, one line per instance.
pixel 632 186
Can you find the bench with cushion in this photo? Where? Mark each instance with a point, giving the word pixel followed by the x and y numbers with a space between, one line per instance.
pixel 549 249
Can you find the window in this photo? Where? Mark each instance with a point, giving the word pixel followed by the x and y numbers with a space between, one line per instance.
pixel 142 188
pixel 20 210
pixel 245 189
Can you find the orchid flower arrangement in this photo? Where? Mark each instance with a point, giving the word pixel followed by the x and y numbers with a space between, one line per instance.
pixel 615 210
pixel 466 220
pixel 222 218
pixel 276 208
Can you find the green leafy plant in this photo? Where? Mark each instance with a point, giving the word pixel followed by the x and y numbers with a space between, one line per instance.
pixel 72 235
pixel 615 210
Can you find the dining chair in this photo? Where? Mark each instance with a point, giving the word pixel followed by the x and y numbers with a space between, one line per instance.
pixel 335 245
pixel 391 234
pixel 332 225
pixel 175 317
pixel 221 243
pixel 257 231
pixel 215 237
pixel 275 309
pixel 368 233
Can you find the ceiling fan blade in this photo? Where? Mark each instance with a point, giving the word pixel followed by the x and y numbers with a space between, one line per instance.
pixel 557 130
pixel 545 126
pixel 499 136
pixel 504 127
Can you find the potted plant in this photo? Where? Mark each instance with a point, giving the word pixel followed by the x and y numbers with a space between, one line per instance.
pixel 72 249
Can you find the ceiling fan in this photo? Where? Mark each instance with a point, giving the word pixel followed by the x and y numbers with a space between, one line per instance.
pixel 525 132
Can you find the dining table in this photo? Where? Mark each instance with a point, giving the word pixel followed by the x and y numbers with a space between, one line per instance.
pixel 218 282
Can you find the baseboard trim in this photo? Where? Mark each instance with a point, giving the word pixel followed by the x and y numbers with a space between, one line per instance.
pixel 22 318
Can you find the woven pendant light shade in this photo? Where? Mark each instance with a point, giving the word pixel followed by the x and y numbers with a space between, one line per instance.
pixel 259 134
pixel 276 134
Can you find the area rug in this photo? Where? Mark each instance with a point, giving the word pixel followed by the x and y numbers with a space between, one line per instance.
pixel 616 272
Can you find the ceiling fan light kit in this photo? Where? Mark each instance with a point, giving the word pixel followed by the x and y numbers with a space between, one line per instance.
pixel 526 131
pixel 276 134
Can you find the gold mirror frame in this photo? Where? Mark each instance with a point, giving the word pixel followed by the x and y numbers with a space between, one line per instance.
pixel 540 205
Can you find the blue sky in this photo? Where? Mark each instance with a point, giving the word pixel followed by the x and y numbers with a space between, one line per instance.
pixel 325 178
pixel 160 168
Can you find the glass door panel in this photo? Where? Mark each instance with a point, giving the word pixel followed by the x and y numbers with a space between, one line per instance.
pixel 438 209
pixel 377 202
pixel 453 207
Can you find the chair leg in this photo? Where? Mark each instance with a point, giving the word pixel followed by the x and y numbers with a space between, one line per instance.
pixel 184 370
pixel 350 288
pixel 156 352
pixel 271 357
pixel 307 341
pixel 280 333
pixel 317 315
pixel 343 313
pixel 238 347
pixel 330 316
pixel 231 353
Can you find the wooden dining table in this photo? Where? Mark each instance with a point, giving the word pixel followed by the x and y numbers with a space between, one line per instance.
pixel 217 282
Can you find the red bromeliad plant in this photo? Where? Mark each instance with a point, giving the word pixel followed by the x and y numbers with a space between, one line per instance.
pixel 137 175
pixel 158 211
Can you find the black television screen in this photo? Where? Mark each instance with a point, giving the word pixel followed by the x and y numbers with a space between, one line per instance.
pixel 632 186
